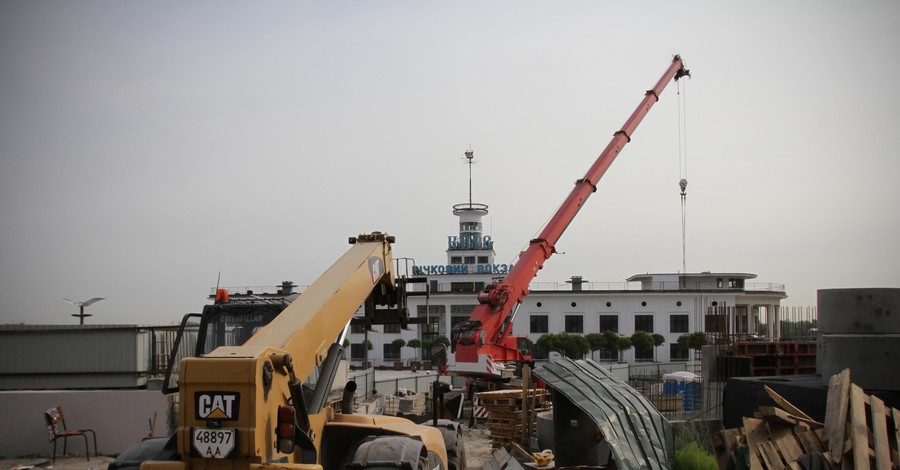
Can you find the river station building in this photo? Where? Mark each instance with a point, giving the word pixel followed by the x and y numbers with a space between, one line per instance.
pixel 670 304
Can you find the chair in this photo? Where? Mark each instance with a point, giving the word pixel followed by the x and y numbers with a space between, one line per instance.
pixel 54 417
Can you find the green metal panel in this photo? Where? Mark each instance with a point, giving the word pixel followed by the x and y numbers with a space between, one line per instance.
pixel 637 434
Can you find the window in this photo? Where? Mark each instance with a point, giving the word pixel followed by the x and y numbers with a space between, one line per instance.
pixel 460 313
pixel 395 328
pixel 482 260
pixel 607 355
pixel 462 287
pixel 358 329
pixel 539 324
pixel 456 260
pixel 678 323
pixel 574 324
pixel 677 353
pixel 719 283
pixel 470 260
pixel 434 327
pixel 643 323
pixel 462 310
pixel 736 283
pixel 357 352
pixel 391 352
pixel 609 322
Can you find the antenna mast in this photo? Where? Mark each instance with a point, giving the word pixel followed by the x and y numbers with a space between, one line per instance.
pixel 470 155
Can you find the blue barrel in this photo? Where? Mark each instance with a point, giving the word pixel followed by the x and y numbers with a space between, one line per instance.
pixel 670 388
pixel 693 396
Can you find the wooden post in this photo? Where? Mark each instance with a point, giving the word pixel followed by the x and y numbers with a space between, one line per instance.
pixel 526 409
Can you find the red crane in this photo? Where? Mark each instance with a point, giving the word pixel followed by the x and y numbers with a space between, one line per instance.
pixel 483 344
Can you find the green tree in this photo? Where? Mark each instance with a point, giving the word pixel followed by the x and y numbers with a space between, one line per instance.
pixel 398 344
pixel 658 341
pixel 426 350
pixel 415 344
pixel 694 341
pixel 443 340
pixel 616 343
pixel 623 343
pixel 571 346
pixel 642 342
pixel 610 342
pixel 548 342
pixel 596 341
pixel 574 346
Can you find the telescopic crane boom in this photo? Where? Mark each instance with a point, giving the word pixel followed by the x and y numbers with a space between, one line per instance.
pixel 264 404
pixel 485 340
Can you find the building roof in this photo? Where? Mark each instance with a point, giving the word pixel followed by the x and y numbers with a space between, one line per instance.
pixel 703 275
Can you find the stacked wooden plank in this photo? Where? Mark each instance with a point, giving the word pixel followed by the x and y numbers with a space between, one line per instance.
pixel 858 432
pixel 511 413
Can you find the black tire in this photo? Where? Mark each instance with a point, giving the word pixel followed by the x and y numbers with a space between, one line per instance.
pixel 389 453
pixel 456 449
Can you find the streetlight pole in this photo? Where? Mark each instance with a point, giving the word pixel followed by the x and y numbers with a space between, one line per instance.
pixel 81 305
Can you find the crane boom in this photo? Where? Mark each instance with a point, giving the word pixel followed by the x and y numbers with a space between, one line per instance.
pixel 264 404
pixel 484 340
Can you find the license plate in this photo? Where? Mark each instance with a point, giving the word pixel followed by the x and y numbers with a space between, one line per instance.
pixel 214 443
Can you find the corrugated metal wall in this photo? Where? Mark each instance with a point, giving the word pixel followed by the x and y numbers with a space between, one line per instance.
pixel 39 358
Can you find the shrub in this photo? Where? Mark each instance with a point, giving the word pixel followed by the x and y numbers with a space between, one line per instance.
pixel 692 457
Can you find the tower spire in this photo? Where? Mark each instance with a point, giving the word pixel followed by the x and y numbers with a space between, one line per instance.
pixel 470 156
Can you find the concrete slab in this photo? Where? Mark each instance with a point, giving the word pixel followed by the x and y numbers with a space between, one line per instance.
pixel 870 358
pixel 859 311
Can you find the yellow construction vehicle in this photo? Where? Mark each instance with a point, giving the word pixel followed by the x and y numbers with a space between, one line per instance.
pixel 263 404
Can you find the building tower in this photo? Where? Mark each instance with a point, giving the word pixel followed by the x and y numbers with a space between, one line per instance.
pixel 471 251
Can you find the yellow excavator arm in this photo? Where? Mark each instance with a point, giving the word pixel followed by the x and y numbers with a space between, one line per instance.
pixel 264 404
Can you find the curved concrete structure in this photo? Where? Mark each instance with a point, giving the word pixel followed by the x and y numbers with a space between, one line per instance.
pixel 859 329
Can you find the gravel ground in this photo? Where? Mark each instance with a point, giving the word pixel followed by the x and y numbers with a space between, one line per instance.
pixel 476 440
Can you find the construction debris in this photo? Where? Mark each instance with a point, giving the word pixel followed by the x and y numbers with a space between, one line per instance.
pixel 859 432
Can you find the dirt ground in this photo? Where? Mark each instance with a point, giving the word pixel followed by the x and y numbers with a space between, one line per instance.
pixel 62 463
pixel 478 445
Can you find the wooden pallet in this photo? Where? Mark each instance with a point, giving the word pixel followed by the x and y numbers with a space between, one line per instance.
pixel 506 413
pixel 777 437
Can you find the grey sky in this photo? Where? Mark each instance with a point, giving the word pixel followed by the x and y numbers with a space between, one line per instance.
pixel 146 146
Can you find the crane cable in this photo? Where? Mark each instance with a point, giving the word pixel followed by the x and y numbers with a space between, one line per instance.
pixel 682 167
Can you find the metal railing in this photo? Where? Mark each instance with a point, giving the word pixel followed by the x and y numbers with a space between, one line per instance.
pixel 457 287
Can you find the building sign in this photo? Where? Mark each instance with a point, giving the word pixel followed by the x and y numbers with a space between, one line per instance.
pixel 469 241
pixel 462 269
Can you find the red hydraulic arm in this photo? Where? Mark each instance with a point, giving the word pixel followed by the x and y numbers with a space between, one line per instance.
pixel 487 331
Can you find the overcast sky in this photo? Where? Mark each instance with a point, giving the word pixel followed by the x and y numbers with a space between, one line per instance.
pixel 146 146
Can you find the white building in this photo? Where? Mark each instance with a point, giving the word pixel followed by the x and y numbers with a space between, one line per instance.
pixel 670 304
